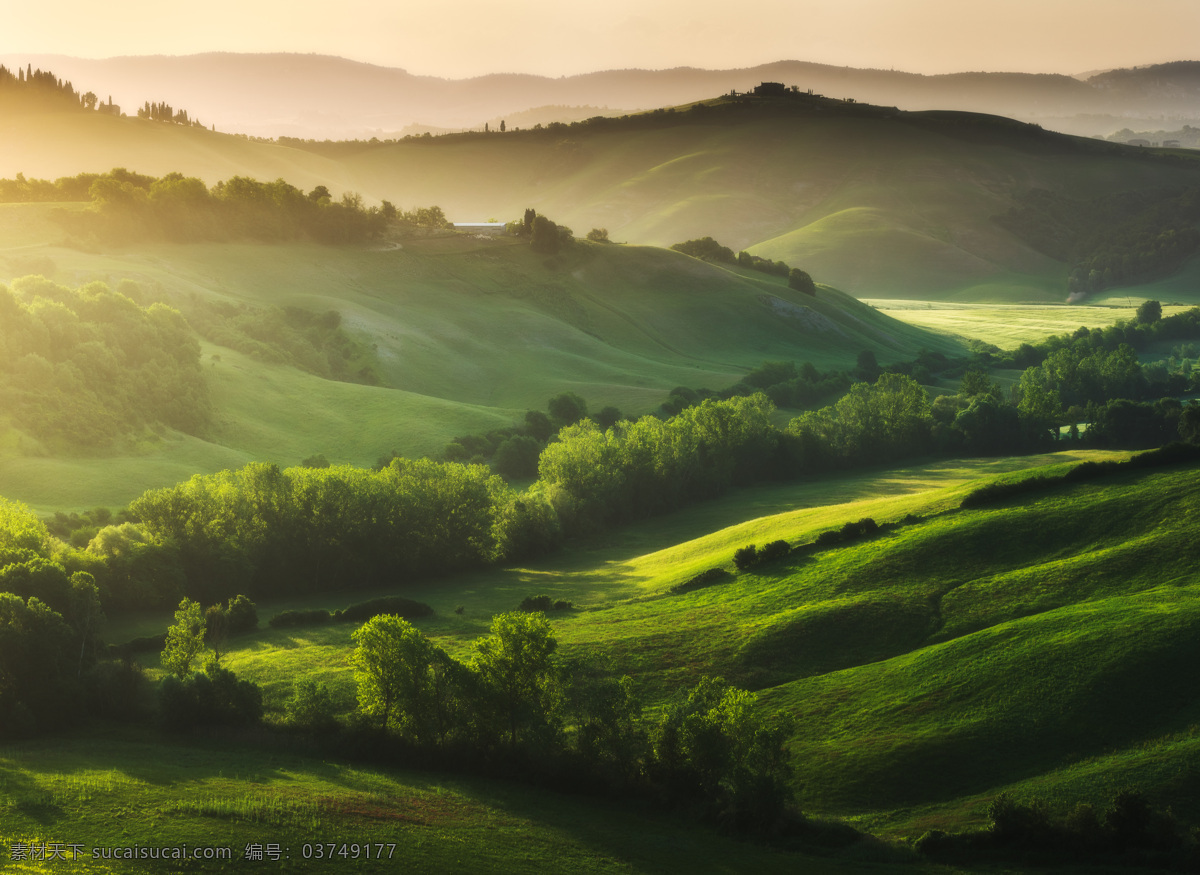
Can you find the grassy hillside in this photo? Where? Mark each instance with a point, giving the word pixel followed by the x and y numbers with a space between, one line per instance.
pixel 813 624
pixel 1041 646
pixel 464 336
pixel 875 201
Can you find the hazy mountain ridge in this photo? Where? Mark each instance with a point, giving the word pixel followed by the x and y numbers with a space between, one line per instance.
pixel 880 202
pixel 319 96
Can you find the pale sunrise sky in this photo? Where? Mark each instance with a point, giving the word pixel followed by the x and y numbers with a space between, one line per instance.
pixel 460 38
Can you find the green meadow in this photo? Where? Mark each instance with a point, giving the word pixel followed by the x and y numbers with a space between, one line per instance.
pixel 465 335
pixel 1009 325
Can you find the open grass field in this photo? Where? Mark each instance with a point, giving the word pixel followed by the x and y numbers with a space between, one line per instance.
pixel 1009 325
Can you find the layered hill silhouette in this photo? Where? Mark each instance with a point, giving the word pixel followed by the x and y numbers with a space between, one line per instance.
pixel 874 200
pixel 329 97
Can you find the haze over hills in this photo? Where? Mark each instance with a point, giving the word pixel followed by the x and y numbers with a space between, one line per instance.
pixel 317 96
pixel 879 202
pixel 463 334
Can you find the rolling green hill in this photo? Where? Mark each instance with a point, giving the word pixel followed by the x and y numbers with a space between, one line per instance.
pixel 464 335
pixel 879 202
pixel 1041 645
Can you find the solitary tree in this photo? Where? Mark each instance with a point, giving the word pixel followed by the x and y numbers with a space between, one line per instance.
pixel 544 237
pixel 801 281
pixel 393 666
pixel 1149 311
pixel 185 640
pixel 516 666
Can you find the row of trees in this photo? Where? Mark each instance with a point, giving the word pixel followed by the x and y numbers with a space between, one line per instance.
pixel 164 112
pixel 133 206
pixel 708 249
pixel 86 366
pixel 39 86
pixel 514 698
pixel 261 530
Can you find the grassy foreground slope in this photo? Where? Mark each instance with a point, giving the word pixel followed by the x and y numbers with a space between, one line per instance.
pixel 127 788
pixel 873 200
pixel 464 334
pixel 1043 645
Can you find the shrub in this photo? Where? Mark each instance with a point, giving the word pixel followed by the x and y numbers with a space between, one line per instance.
pixel 703 579
pixel 214 697
pixel 543 603
pixel 286 619
pixel 242 615
pixel 401 607
pixel 744 557
pixel 117 689
pixel 773 551
pixel 598 235
pixel 536 603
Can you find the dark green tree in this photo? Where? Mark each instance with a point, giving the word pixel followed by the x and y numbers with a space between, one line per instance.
pixel 801 281
pixel 1149 312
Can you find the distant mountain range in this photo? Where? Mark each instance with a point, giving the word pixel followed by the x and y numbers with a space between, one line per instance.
pixel 322 97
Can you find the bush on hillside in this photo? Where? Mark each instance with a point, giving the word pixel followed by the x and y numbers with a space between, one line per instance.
pixel 703 579
pixel 745 557
pixel 288 619
pixel 360 612
pixel 214 697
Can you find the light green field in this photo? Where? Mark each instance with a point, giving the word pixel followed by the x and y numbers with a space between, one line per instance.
pixel 1009 325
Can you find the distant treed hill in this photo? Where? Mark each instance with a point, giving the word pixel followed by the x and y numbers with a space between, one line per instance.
pixel 86 367
pixel 322 96
pixel 870 199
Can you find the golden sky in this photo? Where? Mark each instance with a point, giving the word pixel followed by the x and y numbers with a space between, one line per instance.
pixel 459 38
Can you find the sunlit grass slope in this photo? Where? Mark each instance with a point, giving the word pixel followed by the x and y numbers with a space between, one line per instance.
pixel 466 335
pixel 874 201
pixel 1009 325
pixel 1043 645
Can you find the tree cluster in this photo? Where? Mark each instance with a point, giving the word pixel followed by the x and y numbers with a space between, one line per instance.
pixel 544 235
pixel 261 530
pixel 595 477
pixel 38 87
pixel 131 206
pixel 513 700
pixel 163 112
pixel 708 249
pixel 87 366
pixel 1131 832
